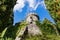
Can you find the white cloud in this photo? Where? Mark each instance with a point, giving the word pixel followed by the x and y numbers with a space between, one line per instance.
pixel 17 7
pixel 43 4
pixel 40 3
pixel 36 5
pixel 32 4
pixel 20 4
pixel 20 1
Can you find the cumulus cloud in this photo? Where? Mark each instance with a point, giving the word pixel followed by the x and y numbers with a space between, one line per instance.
pixel 19 5
pixel 32 4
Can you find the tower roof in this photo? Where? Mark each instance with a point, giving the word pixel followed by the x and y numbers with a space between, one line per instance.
pixel 32 14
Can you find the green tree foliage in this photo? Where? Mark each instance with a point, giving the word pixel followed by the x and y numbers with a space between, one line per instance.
pixel 53 7
pixel 6 13
pixel 46 27
pixel 6 16
pixel 10 32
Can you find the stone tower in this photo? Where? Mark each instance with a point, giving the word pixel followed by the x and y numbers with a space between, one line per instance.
pixel 31 19
pixel 31 28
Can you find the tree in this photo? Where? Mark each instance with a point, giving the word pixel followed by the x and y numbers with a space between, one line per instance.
pixel 6 13
pixel 53 7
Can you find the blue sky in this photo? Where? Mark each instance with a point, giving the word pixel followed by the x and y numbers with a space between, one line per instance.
pixel 21 11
